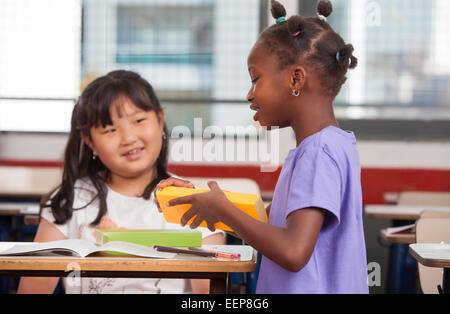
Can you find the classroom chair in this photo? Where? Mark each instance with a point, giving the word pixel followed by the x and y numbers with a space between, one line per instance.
pixel 424 198
pixel 402 270
pixel 432 227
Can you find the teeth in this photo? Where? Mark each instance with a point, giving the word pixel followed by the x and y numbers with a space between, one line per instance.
pixel 133 151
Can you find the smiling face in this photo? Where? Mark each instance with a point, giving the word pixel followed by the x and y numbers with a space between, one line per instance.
pixel 130 146
pixel 270 94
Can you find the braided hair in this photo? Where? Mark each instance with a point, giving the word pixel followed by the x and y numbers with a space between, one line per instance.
pixel 313 41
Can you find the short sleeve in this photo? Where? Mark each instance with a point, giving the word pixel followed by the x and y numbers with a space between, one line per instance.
pixel 316 182
pixel 48 215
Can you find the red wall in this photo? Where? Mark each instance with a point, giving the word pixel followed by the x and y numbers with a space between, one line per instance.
pixel 375 181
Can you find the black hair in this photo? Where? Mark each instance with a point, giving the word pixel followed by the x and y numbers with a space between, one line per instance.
pixel 313 41
pixel 91 110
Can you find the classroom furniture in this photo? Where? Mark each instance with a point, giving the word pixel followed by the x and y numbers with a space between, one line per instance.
pixel 406 238
pixel 434 255
pixel 19 208
pixel 432 228
pixel 218 271
pixel 410 205
pixel 28 182
pixel 434 214
pixel 16 219
pixel 391 197
pixel 401 212
pixel 240 185
pixel 410 238
pixel 424 198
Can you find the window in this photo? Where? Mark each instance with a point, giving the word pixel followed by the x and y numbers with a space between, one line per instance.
pixel 402 47
pixel 194 54
pixel 39 64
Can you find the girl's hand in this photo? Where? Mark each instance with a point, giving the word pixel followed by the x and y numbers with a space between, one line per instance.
pixel 172 182
pixel 209 206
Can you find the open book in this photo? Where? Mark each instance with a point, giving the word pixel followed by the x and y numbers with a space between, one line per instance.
pixel 77 247
pixel 408 229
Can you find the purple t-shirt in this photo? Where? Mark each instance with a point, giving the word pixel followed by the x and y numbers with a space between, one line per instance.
pixel 324 172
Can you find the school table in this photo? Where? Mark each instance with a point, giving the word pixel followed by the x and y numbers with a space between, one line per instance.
pixel 401 276
pixel 400 212
pixel 28 182
pixel 192 267
pixel 401 238
pixel 434 255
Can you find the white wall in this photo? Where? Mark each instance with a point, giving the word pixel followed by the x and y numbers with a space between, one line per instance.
pixel 373 154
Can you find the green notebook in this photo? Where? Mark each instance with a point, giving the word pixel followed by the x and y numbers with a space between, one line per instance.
pixel 173 238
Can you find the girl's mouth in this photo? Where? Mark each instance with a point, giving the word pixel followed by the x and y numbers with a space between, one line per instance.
pixel 255 108
pixel 134 154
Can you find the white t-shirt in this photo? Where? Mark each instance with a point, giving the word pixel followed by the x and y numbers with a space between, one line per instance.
pixel 126 212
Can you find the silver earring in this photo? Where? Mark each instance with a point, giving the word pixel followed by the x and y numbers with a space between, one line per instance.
pixel 164 136
pixel 296 93
pixel 94 157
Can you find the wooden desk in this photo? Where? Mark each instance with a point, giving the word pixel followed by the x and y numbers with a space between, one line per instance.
pixel 19 209
pixel 401 238
pixel 400 212
pixel 218 271
pixel 28 182
pixel 434 255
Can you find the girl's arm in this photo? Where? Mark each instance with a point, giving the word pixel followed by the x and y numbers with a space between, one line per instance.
pixel 46 232
pixel 290 247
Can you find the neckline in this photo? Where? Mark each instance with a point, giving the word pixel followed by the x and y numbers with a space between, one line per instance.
pixel 347 134
pixel 118 194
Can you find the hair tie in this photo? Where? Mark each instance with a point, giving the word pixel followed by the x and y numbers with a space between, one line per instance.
pixel 281 19
pixel 338 56
pixel 321 17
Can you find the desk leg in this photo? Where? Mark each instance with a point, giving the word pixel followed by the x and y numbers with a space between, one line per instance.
pixel 446 281
pixel 220 284
pixel 402 271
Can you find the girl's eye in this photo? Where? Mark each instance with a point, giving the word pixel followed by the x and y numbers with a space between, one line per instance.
pixel 139 121
pixel 109 131
pixel 255 80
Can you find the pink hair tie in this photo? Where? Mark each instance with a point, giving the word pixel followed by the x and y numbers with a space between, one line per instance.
pixel 296 34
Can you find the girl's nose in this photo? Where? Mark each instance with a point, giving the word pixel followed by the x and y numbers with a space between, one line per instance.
pixel 250 95
pixel 129 137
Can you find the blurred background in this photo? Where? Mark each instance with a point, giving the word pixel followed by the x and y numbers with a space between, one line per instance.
pixel 194 53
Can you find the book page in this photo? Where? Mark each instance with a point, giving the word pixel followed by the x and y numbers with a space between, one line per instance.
pixel 134 249
pixel 402 229
pixel 81 248
pixel 75 247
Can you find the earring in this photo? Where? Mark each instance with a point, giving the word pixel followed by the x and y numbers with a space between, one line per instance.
pixel 164 136
pixel 94 157
pixel 296 93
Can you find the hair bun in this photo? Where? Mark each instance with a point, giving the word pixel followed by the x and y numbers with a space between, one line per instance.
pixel 324 8
pixel 346 58
pixel 295 25
pixel 277 9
